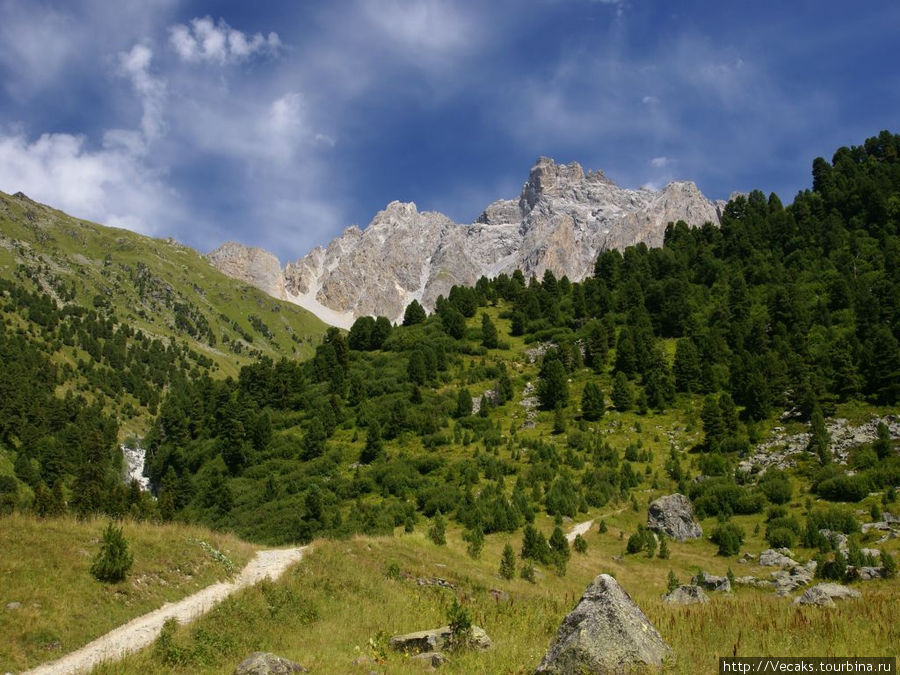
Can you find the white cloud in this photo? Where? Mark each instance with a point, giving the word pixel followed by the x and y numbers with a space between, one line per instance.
pixel 207 41
pixel 110 185
pixel 430 26
pixel 135 65
pixel 660 162
pixel 650 100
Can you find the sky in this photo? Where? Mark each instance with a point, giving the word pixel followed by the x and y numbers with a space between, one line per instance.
pixel 277 124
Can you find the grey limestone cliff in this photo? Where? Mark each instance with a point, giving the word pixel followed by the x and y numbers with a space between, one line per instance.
pixel 561 221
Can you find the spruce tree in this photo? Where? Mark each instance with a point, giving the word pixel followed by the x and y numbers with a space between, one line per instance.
pixel 508 562
pixel 414 313
pixel 488 333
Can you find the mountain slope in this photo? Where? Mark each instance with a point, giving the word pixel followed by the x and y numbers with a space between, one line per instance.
pixel 118 314
pixel 563 218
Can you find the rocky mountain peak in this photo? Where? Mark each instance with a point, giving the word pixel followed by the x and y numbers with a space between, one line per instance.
pixel 561 221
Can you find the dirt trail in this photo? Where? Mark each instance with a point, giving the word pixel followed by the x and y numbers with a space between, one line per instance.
pixel 143 630
pixel 581 528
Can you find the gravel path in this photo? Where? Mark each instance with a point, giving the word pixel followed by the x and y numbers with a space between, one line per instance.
pixel 580 528
pixel 143 630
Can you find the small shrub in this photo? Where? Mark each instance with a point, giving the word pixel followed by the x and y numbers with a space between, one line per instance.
pixel 602 527
pixel 580 544
pixel 438 530
pixel 392 570
pixel 888 564
pixel 663 547
pixel 113 561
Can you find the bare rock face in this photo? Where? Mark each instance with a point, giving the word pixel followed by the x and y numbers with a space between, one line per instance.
pixel 561 221
pixel 674 515
pixel 605 633
pixel 251 265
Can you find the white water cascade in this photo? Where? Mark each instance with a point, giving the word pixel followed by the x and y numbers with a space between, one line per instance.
pixel 134 466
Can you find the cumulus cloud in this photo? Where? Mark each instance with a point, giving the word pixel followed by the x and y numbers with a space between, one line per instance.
pixel 108 185
pixel 206 41
pixel 660 162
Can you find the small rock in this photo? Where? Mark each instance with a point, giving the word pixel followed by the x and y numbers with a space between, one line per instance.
pixel 686 595
pixel 434 659
pixel 747 558
pixel 606 632
pixel 263 663
pixel 752 581
pixel 13 605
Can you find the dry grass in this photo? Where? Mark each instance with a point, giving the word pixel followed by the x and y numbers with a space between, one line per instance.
pixel 340 605
pixel 44 567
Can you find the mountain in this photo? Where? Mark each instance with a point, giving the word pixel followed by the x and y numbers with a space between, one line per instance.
pixel 119 315
pixel 562 219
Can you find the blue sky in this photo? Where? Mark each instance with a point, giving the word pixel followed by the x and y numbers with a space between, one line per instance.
pixel 278 124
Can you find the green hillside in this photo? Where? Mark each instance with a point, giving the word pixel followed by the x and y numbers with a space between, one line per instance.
pixel 118 285
pixel 754 367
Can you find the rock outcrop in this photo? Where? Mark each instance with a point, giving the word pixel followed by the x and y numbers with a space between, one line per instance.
pixel 606 632
pixel 674 515
pixel 711 582
pixel 561 221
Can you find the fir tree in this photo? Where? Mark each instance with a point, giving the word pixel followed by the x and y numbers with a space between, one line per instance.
pixel 488 333
pixel 414 313
pixel 621 392
pixel 592 404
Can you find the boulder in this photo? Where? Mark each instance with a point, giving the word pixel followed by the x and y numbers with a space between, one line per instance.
pixel 686 595
pixel 787 581
pixel 263 663
pixel 711 582
pixel 815 596
pixel 869 573
pixel 772 558
pixel 824 595
pixel 752 581
pixel 674 515
pixel 747 557
pixel 436 639
pixel 606 632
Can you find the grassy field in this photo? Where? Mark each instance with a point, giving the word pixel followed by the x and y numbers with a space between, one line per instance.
pixel 49 602
pixel 335 611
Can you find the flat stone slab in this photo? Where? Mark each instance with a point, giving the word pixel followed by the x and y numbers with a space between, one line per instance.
pixel 436 639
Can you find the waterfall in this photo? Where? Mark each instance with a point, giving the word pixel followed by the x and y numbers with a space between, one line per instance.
pixel 134 466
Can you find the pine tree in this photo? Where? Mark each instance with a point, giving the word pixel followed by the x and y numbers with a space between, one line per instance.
pixel 672 582
pixel 374 444
pixel 553 388
pixel 663 547
pixel 463 403
pixel 687 366
pixel 592 404
pixel 437 531
pixel 621 392
pixel 488 333
pixel 475 540
pixel 113 560
pixel 713 429
pixel 508 562
pixel 414 313
pixel 580 544
pixel 819 438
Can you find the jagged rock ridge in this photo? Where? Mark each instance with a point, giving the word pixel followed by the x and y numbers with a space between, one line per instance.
pixel 562 220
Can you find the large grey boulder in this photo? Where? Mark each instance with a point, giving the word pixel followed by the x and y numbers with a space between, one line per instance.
pixel 437 639
pixel 263 663
pixel 674 515
pixel 686 595
pixel 605 633
pixel 824 595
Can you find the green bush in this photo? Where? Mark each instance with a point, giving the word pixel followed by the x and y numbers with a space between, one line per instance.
pixel 113 560
pixel 729 537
